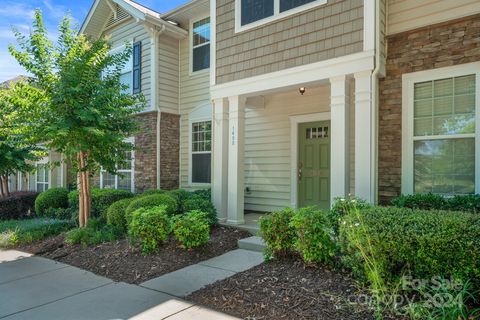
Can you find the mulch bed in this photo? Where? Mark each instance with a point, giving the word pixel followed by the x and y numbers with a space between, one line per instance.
pixel 120 261
pixel 284 290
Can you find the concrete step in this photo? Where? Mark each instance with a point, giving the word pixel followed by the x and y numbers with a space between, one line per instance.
pixel 252 244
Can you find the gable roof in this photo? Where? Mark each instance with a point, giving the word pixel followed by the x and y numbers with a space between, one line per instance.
pixel 101 11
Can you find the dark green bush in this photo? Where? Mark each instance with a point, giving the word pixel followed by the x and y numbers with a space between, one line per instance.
pixel 192 229
pixel 61 213
pixel 204 194
pixel 101 200
pixel 150 201
pixel 421 243
pixel 149 192
pixel 468 203
pixel 116 214
pixel 180 196
pixel 151 226
pixel 18 205
pixel 201 204
pixel 424 201
pixel 278 233
pixel 15 232
pixel 51 199
pixel 315 236
pixel 95 233
pixel 342 206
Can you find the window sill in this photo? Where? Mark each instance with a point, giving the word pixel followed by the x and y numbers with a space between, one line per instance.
pixel 278 16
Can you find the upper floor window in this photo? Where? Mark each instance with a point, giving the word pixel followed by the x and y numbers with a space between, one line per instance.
pixel 130 75
pixel 201 45
pixel 441 137
pixel 251 13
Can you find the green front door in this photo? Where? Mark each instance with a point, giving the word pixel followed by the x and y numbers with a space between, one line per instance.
pixel 314 164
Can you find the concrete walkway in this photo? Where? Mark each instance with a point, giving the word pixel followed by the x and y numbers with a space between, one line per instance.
pixel 35 288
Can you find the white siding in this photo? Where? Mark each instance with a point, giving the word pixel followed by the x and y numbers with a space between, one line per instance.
pixel 168 59
pixel 406 15
pixel 267 146
pixel 194 92
pixel 132 32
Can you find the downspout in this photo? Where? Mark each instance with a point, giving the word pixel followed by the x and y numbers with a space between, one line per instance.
pixel 155 57
pixel 375 102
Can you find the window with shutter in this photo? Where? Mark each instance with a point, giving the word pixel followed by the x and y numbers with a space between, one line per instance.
pixel 137 65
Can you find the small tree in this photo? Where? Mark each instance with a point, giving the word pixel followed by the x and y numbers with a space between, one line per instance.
pixel 85 114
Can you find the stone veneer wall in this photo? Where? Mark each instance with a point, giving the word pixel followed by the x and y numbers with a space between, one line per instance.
pixel 169 150
pixel 446 44
pixel 146 152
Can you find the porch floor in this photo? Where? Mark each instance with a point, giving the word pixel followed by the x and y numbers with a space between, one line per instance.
pixel 251 222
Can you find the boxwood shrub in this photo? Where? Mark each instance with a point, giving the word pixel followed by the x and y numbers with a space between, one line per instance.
pixel 116 214
pixel 203 205
pixel 101 200
pixel 18 205
pixel 429 201
pixel 150 201
pixel 278 233
pixel 180 196
pixel 422 243
pixel 55 198
pixel 149 192
pixel 192 229
pixel 151 226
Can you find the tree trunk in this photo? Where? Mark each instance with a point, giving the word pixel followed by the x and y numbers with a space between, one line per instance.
pixel 2 192
pixel 6 190
pixel 84 189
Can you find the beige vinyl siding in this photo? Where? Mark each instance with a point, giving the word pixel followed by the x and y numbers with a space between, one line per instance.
pixel 194 93
pixel 168 70
pixel 383 30
pixel 130 31
pixel 406 15
pixel 324 32
pixel 268 146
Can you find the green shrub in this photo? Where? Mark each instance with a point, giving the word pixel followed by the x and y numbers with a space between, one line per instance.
pixel 201 204
pixel 205 194
pixel 180 196
pixel 95 233
pixel 51 199
pixel 342 206
pixel 101 200
pixel 424 201
pixel 150 201
pixel 149 192
pixel 277 232
pixel 14 232
pixel 116 214
pixel 61 213
pixel 150 226
pixel 192 229
pixel 468 203
pixel 422 243
pixel 315 237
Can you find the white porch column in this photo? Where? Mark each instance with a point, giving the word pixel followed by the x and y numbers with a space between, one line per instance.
pixel 340 137
pixel 220 158
pixel 236 137
pixel 364 138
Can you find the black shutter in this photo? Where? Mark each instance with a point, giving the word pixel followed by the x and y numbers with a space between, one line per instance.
pixel 137 67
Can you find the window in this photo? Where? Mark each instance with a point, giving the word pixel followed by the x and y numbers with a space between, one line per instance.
pixel 251 13
pixel 201 152
pixel 124 179
pixel 130 75
pixel 41 178
pixel 201 45
pixel 442 140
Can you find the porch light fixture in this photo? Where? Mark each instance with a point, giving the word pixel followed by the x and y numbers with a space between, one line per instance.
pixel 302 90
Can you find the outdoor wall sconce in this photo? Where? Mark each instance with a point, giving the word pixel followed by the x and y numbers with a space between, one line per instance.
pixel 302 90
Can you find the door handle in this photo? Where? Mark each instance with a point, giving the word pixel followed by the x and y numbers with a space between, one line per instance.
pixel 300 165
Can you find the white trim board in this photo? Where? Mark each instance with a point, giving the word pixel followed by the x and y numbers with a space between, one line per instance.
pixel 314 72
pixel 408 81
pixel 295 120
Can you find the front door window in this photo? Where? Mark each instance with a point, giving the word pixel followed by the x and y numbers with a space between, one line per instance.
pixel 314 164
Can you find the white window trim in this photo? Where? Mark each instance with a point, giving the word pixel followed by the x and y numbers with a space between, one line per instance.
pixel 132 189
pixel 191 121
pixel 191 47
pixel 129 65
pixel 42 162
pixel 276 14
pixel 408 82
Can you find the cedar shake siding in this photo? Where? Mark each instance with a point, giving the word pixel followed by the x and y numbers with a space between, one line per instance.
pixel 447 44
pixel 331 30
pixel 145 152
pixel 169 150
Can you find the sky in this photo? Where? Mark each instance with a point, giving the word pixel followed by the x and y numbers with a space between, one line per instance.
pixel 19 13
